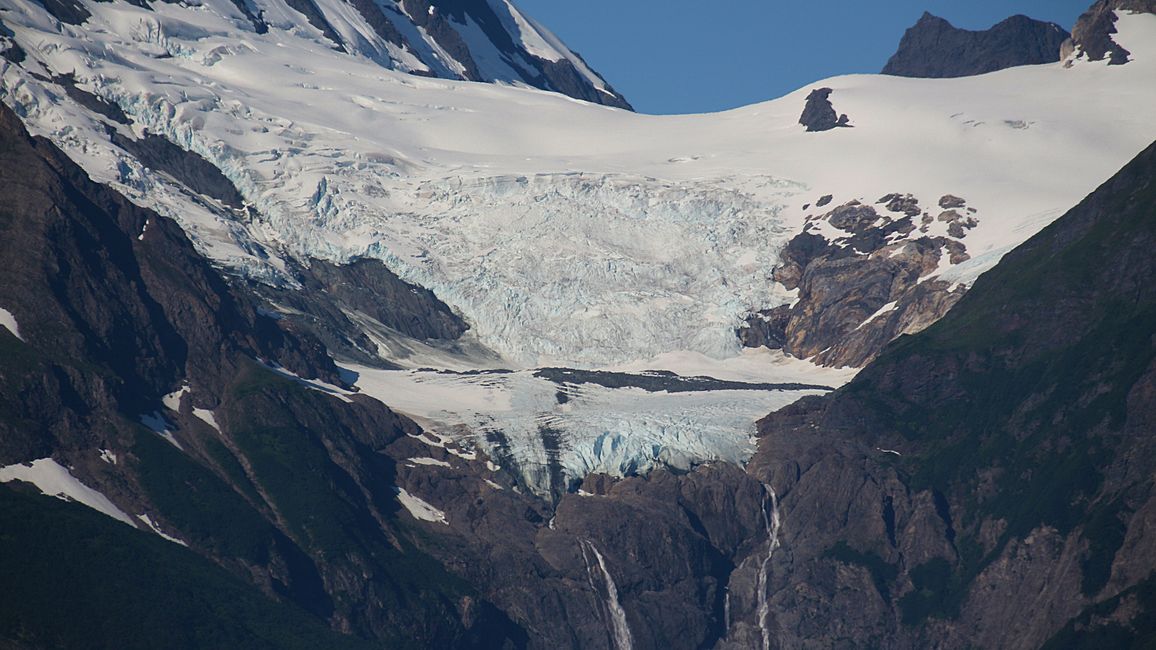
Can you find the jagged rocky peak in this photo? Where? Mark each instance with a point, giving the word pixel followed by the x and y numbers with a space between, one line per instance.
pixel 1092 34
pixel 819 114
pixel 934 48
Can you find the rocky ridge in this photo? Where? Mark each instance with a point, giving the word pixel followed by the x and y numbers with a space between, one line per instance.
pixel 935 48
pixel 471 40
pixel 1092 35
pixel 819 114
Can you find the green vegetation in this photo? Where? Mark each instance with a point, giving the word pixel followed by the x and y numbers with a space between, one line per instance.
pixel 74 578
pixel 205 509
pixel 316 498
pixel 293 439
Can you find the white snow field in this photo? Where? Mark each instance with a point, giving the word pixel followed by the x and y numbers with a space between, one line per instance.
pixel 8 322
pixel 565 233
pixel 54 479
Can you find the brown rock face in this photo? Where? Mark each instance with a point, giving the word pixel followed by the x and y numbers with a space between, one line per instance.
pixel 1092 34
pixel 863 289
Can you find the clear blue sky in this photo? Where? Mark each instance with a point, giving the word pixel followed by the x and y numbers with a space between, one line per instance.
pixel 685 56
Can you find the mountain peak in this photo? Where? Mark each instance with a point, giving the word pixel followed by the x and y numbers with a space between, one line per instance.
pixel 935 48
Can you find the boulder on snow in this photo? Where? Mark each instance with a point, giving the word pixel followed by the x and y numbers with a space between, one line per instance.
pixel 819 114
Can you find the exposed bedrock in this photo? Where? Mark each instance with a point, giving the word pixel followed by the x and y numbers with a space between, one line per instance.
pixel 934 48
pixel 862 283
pixel 819 114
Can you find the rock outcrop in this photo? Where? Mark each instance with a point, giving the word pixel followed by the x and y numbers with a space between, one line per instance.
pixel 864 274
pixel 934 48
pixel 339 303
pixel 1092 34
pixel 819 114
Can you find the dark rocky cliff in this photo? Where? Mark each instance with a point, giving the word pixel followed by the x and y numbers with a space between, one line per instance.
pixel 935 48
pixel 1002 456
pixel 282 486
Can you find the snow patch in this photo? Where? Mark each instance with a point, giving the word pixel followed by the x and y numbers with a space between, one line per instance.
pixel 420 509
pixel 206 416
pixel 8 322
pixel 160 426
pixel 885 309
pixel 55 480
pixel 156 529
pixel 313 384
pixel 432 462
pixel 172 401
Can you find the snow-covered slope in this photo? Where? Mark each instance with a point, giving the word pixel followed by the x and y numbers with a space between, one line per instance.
pixel 474 40
pixel 566 233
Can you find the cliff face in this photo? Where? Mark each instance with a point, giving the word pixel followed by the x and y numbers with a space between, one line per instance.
pixel 1002 456
pixel 146 377
pixel 935 48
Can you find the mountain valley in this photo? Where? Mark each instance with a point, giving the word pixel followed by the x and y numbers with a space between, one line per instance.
pixel 389 324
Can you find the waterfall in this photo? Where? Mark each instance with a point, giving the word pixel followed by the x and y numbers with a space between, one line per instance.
pixel 618 625
pixel 727 613
pixel 773 524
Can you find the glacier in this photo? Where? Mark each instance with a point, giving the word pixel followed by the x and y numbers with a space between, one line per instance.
pixel 554 434
pixel 565 233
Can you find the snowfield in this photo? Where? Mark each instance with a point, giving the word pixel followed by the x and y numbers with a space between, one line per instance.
pixel 566 233
pixel 53 479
